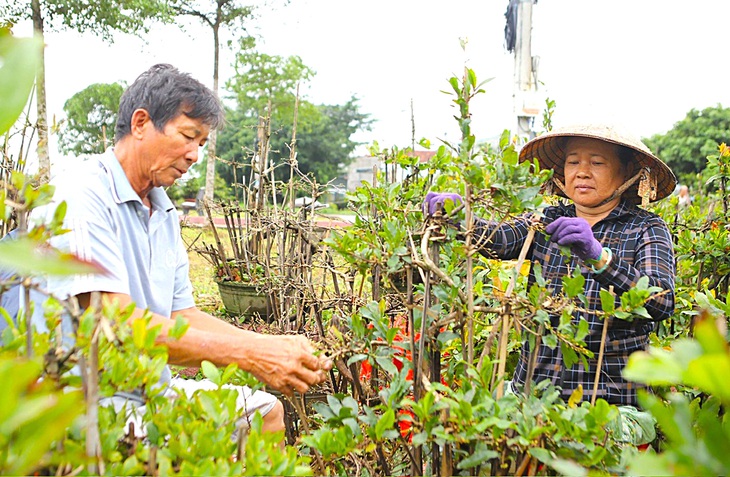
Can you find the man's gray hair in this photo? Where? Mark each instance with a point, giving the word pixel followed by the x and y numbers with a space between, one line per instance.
pixel 165 93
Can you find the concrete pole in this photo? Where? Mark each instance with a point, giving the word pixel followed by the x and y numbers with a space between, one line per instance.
pixel 524 84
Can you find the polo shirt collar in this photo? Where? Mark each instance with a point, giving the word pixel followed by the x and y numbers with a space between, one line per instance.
pixel 122 190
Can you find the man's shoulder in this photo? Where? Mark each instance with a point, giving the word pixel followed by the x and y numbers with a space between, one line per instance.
pixel 82 177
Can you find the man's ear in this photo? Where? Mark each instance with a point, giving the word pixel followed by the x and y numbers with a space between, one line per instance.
pixel 140 120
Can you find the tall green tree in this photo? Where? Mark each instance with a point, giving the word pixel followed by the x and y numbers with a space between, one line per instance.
pixel 91 115
pixel 324 140
pixel 216 14
pixel 267 85
pixel 102 18
pixel 686 146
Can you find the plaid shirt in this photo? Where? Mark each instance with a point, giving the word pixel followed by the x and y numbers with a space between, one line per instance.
pixel 642 246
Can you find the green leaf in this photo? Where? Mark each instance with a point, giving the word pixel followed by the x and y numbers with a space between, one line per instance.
pixel 568 468
pixel 19 60
pixel 562 466
pixel 179 328
pixel 708 335
pixel 472 77
pixel 27 257
pixel 385 423
pixel 356 358
pixel 445 336
pixel 139 332
pixel 211 372
pixel 481 455
pixel 582 330
pixel 575 284
pixel 386 363
pixel 608 302
pixel 550 340
pixel 710 374
pixel 656 367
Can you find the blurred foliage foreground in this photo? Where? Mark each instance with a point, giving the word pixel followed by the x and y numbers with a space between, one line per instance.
pixel 423 330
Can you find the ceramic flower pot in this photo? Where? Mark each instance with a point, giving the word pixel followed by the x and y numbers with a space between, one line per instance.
pixel 244 299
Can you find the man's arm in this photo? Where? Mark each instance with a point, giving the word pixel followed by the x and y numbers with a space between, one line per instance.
pixel 284 362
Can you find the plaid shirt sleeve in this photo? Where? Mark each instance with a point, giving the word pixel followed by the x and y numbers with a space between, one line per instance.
pixel 653 257
pixel 501 240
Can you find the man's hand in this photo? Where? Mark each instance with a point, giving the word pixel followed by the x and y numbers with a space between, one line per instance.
pixel 434 201
pixel 287 363
pixel 575 233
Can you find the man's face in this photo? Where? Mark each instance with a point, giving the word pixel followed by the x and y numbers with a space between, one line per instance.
pixel 175 149
pixel 592 171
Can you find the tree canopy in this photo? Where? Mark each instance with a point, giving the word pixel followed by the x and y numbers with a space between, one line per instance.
pixel 266 85
pixel 91 116
pixel 324 139
pixel 102 18
pixel 686 146
pixel 231 14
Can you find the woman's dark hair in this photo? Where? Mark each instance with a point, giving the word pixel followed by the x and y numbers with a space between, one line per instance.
pixel 627 157
pixel 164 92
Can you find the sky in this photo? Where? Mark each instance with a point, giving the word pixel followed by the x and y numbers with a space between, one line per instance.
pixel 638 64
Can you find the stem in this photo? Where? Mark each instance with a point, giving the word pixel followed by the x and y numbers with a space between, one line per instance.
pixel 299 407
pixel 606 322
pixel 93 445
pixel 506 321
pixel 533 359
pixel 469 279
pixel 218 243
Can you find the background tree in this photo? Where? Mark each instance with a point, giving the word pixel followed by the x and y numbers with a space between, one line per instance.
pixel 266 85
pixel 324 140
pixel 91 115
pixel 686 146
pixel 100 18
pixel 260 79
pixel 231 14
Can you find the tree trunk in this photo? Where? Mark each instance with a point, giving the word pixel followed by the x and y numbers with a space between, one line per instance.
pixel 44 161
pixel 210 170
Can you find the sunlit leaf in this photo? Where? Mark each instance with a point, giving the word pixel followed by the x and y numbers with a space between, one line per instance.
pixel 211 372
pixel 576 396
pixel 27 257
pixel 19 59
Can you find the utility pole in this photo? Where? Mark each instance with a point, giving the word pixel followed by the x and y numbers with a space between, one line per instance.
pixel 519 41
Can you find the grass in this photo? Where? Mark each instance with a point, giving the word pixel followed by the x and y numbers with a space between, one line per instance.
pixel 205 290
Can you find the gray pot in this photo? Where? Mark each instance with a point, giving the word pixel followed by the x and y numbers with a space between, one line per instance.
pixel 244 299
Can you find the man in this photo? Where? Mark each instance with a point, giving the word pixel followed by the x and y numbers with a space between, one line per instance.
pixel 120 218
pixel 605 173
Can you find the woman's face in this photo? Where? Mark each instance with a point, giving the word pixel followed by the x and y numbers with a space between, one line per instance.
pixel 592 171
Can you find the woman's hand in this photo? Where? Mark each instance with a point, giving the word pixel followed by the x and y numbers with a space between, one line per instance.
pixel 575 233
pixel 434 201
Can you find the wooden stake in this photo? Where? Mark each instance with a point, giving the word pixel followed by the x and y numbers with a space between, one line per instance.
pixel 506 317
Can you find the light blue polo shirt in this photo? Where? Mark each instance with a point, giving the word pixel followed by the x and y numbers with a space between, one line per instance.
pixel 143 254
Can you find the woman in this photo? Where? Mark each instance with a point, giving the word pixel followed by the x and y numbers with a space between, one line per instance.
pixel 605 174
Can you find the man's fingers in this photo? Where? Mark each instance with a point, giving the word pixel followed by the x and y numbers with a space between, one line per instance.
pixel 325 364
pixel 301 382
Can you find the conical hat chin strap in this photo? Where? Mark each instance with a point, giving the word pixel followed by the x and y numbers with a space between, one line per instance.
pixel 645 189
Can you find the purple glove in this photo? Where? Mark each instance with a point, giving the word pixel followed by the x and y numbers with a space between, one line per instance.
pixel 577 234
pixel 434 201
